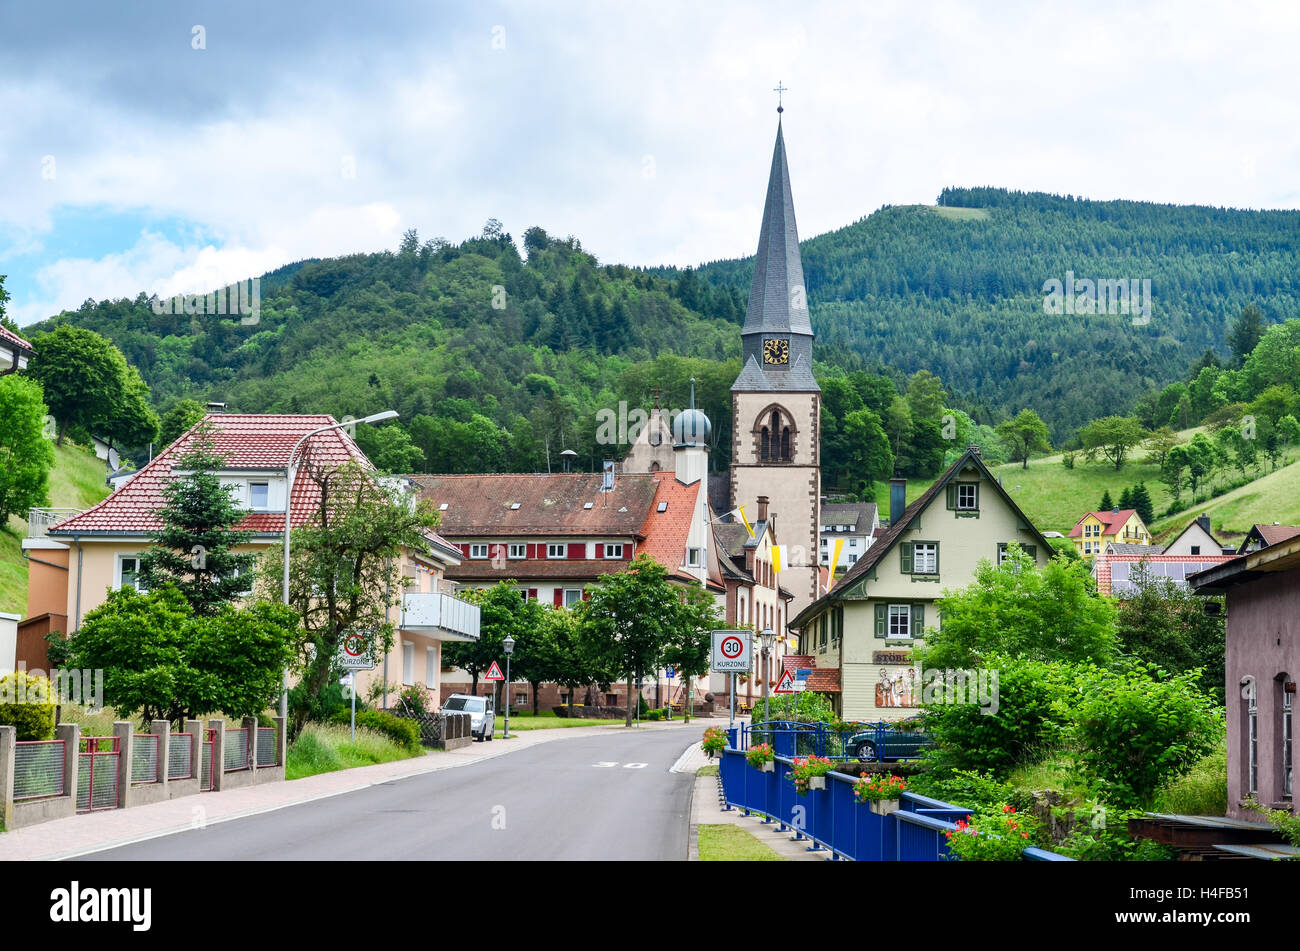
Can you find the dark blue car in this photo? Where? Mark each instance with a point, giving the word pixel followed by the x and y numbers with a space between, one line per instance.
pixel 884 742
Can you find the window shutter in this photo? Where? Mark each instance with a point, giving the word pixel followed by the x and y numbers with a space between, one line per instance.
pixel 530 551
pixel 532 594
pixel 577 549
pixel 936 558
pixel 1002 553
pixel 559 598
pixel 586 595
pixel 1031 551
pixel 882 620
pixel 918 620
pixel 977 496
pixel 952 495
pixel 600 550
pixel 905 557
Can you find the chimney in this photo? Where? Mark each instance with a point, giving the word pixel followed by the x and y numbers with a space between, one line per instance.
pixel 216 407
pixel 897 500
pixel 1115 510
pixel 1204 522
pixel 762 508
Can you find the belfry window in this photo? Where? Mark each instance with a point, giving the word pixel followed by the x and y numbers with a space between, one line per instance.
pixel 775 437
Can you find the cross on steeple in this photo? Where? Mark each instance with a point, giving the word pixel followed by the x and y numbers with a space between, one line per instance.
pixel 780 88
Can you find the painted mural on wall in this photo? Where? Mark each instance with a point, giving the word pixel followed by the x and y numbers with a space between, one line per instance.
pixel 897 690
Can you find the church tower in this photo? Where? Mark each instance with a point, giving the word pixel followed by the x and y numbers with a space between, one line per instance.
pixel 775 402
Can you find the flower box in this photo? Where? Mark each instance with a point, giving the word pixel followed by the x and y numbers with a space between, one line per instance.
pixel 883 807
pixel 768 767
pixel 816 782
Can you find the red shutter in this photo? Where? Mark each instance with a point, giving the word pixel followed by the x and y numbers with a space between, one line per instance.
pixel 532 592
pixel 559 597
pixel 586 595
pixel 531 551
pixel 576 550
pixel 600 551
pixel 464 550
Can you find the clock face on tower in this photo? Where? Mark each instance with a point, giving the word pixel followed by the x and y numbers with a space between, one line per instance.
pixel 776 352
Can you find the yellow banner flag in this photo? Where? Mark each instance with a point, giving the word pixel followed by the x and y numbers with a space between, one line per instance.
pixel 835 561
pixel 778 558
pixel 749 528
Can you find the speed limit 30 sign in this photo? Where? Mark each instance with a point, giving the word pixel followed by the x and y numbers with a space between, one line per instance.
pixel 731 651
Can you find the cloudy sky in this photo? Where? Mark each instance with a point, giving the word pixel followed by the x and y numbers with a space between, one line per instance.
pixel 174 146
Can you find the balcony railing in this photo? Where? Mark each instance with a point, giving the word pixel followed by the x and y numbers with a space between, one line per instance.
pixel 39 521
pixel 457 620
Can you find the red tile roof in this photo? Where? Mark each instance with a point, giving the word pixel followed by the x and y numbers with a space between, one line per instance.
pixel 549 505
pixel 1111 521
pixel 793 662
pixel 1272 534
pixel 666 532
pixel 249 441
pixel 824 680
pixel 13 338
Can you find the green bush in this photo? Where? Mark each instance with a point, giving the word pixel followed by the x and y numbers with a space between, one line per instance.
pixel 1137 729
pixel 324 707
pixel 1027 721
pixel 1201 791
pixel 973 790
pixel 405 733
pixel 27 704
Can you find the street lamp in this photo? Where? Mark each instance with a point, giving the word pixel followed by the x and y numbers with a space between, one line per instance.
pixel 510 649
pixel 766 638
pixel 291 472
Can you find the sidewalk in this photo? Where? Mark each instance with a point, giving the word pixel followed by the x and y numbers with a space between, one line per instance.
pixel 707 809
pixel 92 832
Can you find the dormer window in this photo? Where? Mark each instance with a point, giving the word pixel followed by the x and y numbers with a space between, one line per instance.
pixel 259 495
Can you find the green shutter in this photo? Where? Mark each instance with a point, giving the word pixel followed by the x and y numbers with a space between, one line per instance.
pixel 882 619
pixel 936 558
pixel 905 557
pixel 977 496
pixel 918 620
pixel 1031 551
pixel 952 495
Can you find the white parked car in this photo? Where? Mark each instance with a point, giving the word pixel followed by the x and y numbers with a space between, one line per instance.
pixel 482 718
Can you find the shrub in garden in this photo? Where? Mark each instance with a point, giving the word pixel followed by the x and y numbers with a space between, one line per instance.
pixel 1028 718
pixel 805 769
pixel 972 789
pixel 878 788
pixel 1138 728
pixel 27 704
pixel 405 733
pixel 760 754
pixel 996 834
pixel 416 697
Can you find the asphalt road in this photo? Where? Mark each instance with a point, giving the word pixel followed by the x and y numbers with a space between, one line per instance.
pixel 599 796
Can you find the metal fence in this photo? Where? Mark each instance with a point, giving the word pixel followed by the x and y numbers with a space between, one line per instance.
pixel 146 764
pixel 833 820
pixel 206 764
pixel 98 764
pixel 39 769
pixel 266 746
pixel 180 756
pixel 237 754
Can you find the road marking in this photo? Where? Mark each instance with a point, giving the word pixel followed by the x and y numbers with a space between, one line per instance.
pixel 634 765
pixel 604 765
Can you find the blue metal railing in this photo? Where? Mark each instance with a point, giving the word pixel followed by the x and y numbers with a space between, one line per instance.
pixel 832 819
pixel 833 741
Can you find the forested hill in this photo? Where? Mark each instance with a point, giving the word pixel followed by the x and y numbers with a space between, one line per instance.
pixel 958 289
pixel 492 359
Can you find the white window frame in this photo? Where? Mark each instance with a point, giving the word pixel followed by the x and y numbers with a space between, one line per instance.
pixel 1287 741
pixel 897 611
pixel 517 550
pixel 118 571
pixel 266 507
pixel 609 549
pixel 972 503
pixel 577 596
pixel 479 550
pixel 932 556
pixel 553 547
pixel 853 543
pixel 694 557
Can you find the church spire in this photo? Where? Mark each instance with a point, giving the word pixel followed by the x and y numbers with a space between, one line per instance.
pixel 778 333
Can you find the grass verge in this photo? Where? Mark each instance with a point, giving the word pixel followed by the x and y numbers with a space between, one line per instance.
pixel 728 843
pixel 711 770
pixel 324 748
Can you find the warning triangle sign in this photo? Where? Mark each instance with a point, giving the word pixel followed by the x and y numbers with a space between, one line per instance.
pixel 786 684
pixel 494 673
